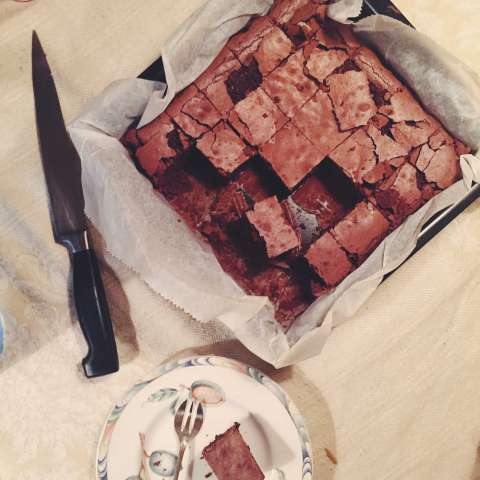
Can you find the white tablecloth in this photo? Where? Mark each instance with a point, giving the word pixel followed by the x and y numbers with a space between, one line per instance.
pixel 394 395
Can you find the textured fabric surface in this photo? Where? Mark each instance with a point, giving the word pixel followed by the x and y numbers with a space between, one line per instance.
pixel 396 392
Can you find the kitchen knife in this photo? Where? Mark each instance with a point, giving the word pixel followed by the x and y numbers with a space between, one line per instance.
pixel 62 169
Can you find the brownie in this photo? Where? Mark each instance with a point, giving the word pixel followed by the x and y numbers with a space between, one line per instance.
pixel 290 143
pixel 352 99
pixel 272 50
pixel 189 196
pixel 288 86
pixel 317 122
pixel 224 148
pixel 284 10
pixel 322 63
pixel 379 76
pixel 294 154
pixel 403 107
pixel 258 117
pixel 401 195
pixel 271 222
pixel 289 294
pixel 212 81
pixel 329 259
pixel 247 42
pixel 361 231
pixel 386 147
pixel 238 196
pixel 230 457
pixel 413 135
pixel 164 142
pixel 356 156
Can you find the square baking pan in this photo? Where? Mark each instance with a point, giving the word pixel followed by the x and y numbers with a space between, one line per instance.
pixel 436 224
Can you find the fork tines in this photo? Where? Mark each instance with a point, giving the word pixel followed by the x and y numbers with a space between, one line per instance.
pixel 188 411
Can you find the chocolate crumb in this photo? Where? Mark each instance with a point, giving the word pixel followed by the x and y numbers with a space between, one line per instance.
pixel 331 456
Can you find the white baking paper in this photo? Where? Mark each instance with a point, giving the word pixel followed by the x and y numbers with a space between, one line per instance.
pixel 141 229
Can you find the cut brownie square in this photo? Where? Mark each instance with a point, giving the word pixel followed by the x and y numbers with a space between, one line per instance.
pixel 352 100
pixel 317 122
pixel 291 155
pixel 224 148
pixel 329 260
pixel 271 222
pixel 259 117
pixel 189 196
pixel 272 50
pixel 380 76
pixel 263 41
pixel 443 168
pixel 246 188
pixel 246 42
pixel 362 230
pixel 230 457
pixel 304 23
pixel 162 125
pixel 288 86
pixel 212 81
pixel 400 194
pixel 284 11
pixel 356 156
pixel 413 135
pixel 166 144
pixel 175 106
pixel 198 116
pixel 421 156
pixel 440 138
pixel 322 63
pixel 288 293
pixel 346 33
pixel 404 108
pixel 385 146
pixel 328 37
pixel 382 171
pixel 193 112
pixel 321 201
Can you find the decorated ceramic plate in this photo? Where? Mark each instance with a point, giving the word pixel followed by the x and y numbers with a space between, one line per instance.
pixel 139 442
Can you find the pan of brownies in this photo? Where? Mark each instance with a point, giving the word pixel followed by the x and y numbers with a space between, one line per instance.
pixel 294 155
pixel 290 172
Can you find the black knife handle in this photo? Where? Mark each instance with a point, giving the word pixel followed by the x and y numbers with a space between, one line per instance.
pixel 93 315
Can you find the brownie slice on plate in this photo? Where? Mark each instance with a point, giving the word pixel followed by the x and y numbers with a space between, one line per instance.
pixel 230 457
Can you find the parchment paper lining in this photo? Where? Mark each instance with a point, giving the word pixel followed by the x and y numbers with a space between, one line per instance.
pixel 141 229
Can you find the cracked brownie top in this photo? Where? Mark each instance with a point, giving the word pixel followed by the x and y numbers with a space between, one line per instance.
pixel 295 154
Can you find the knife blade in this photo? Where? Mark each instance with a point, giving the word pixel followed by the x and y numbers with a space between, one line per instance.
pixel 62 171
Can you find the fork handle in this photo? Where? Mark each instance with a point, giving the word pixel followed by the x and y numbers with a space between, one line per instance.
pixel 181 453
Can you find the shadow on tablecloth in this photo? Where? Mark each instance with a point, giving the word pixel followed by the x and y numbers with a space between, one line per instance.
pixel 33 319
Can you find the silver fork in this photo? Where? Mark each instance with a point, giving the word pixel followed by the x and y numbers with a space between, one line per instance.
pixel 188 421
